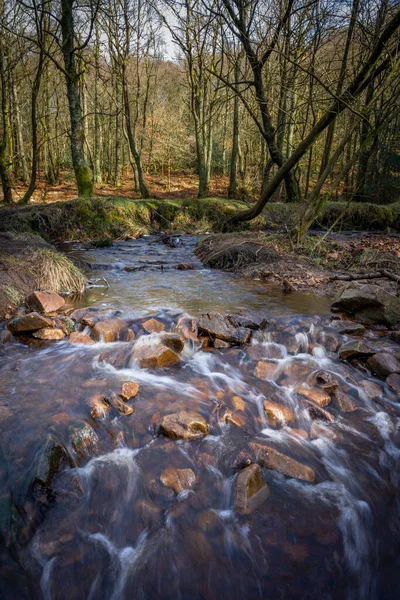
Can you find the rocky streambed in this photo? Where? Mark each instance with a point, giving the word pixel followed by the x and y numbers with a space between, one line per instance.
pixel 156 451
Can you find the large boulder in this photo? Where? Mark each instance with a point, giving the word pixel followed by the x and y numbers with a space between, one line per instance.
pixel 28 323
pixel 184 425
pixel 368 303
pixel 217 326
pixel 45 302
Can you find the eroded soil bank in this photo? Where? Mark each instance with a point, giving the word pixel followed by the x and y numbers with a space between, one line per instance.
pixel 313 265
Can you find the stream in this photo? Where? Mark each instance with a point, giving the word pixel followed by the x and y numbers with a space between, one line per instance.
pixel 108 528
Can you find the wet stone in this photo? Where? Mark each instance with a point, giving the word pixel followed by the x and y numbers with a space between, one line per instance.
pixel 249 482
pixel 352 350
pixel 220 344
pixel 369 303
pixel 320 397
pixel 108 330
pixel 273 459
pixel 99 406
pixel 129 389
pixel 80 338
pixel 153 326
pixel 50 459
pixel 393 381
pixel 372 389
pixel 383 364
pixel 218 326
pixel 184 425
pixel 45 302
pixel 27 323
pixel 174 341
pixel 48 334
pixel 178 479
pixel 266 369
pixel 317 412
pixel 326 381
pixel 152 357
pixel 121 406
pixel 84 440
pixel 320 429
pixel 265 351
pixel 345 402
pixel 348 327
pixel 278 414
pixel 238 403
pixel 330 340
pixel 187 327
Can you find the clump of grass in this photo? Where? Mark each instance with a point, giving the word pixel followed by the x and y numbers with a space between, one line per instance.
pixel 54 271
pixel 13 294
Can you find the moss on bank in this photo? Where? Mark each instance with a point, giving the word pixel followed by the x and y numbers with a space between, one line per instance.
pixel 118 218
pixel 28 263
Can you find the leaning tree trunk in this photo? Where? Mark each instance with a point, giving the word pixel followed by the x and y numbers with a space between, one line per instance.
pixel 83 174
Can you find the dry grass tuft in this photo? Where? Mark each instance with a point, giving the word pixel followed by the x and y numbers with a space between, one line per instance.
pixel 54 271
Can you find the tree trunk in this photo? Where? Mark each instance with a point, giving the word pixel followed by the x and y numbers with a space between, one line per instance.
pixel 4 158
pixel 232 190
pixel 83 174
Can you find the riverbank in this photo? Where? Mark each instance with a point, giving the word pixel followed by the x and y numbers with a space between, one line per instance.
pixel 28 263
pixel 118 218
pixel 308 266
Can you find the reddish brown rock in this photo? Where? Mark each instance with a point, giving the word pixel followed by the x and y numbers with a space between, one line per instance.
pixel 188 327
pixel 220 344
pixel 330 340
pixel 80 338
pixel 99 406
pixel 345 401
pixel 27 323
pixel 325 380
pixel 109 330
pixel 90 320
pixel 5 412
pixel 152 357
pixel 129 389
pixel 84 440
pixel 121 406
pixel 184 267
pixel 264 352
pixel 153 326
pixel 383 364
pixel 267 370
pixel 249 482
pixel 184 425
pixel 272 459
pixel 48 333
pixel 393 382
pixel 178 479
pixel 296 370
pixel 278 414
pixel 235 418
pixel 320 397
pixel 45 302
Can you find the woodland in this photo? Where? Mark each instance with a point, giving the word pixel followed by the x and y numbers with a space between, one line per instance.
pixel 285 100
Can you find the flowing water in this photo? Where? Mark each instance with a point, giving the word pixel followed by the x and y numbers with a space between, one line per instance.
pixel 110 529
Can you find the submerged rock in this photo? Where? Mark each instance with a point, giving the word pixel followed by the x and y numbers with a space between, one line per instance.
pixel 178 479
pixel 345 402
pixel 372 389
pixel 45 302
pixel 108 330
pixel 317 412
pixel 50 459
pixel 173 341
pixel 28 323
pixel 352 350
pixel 393 382
pixel 266 369
pixel 249 482
pixel 272 459
pixel 84 440
pixel 48 333
pixel 278 414
pixel 220 327
pixel 184 425
pixel 369 304
pixel 383 364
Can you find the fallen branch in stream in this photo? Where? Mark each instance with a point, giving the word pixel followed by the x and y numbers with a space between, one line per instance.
pixel 384 274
